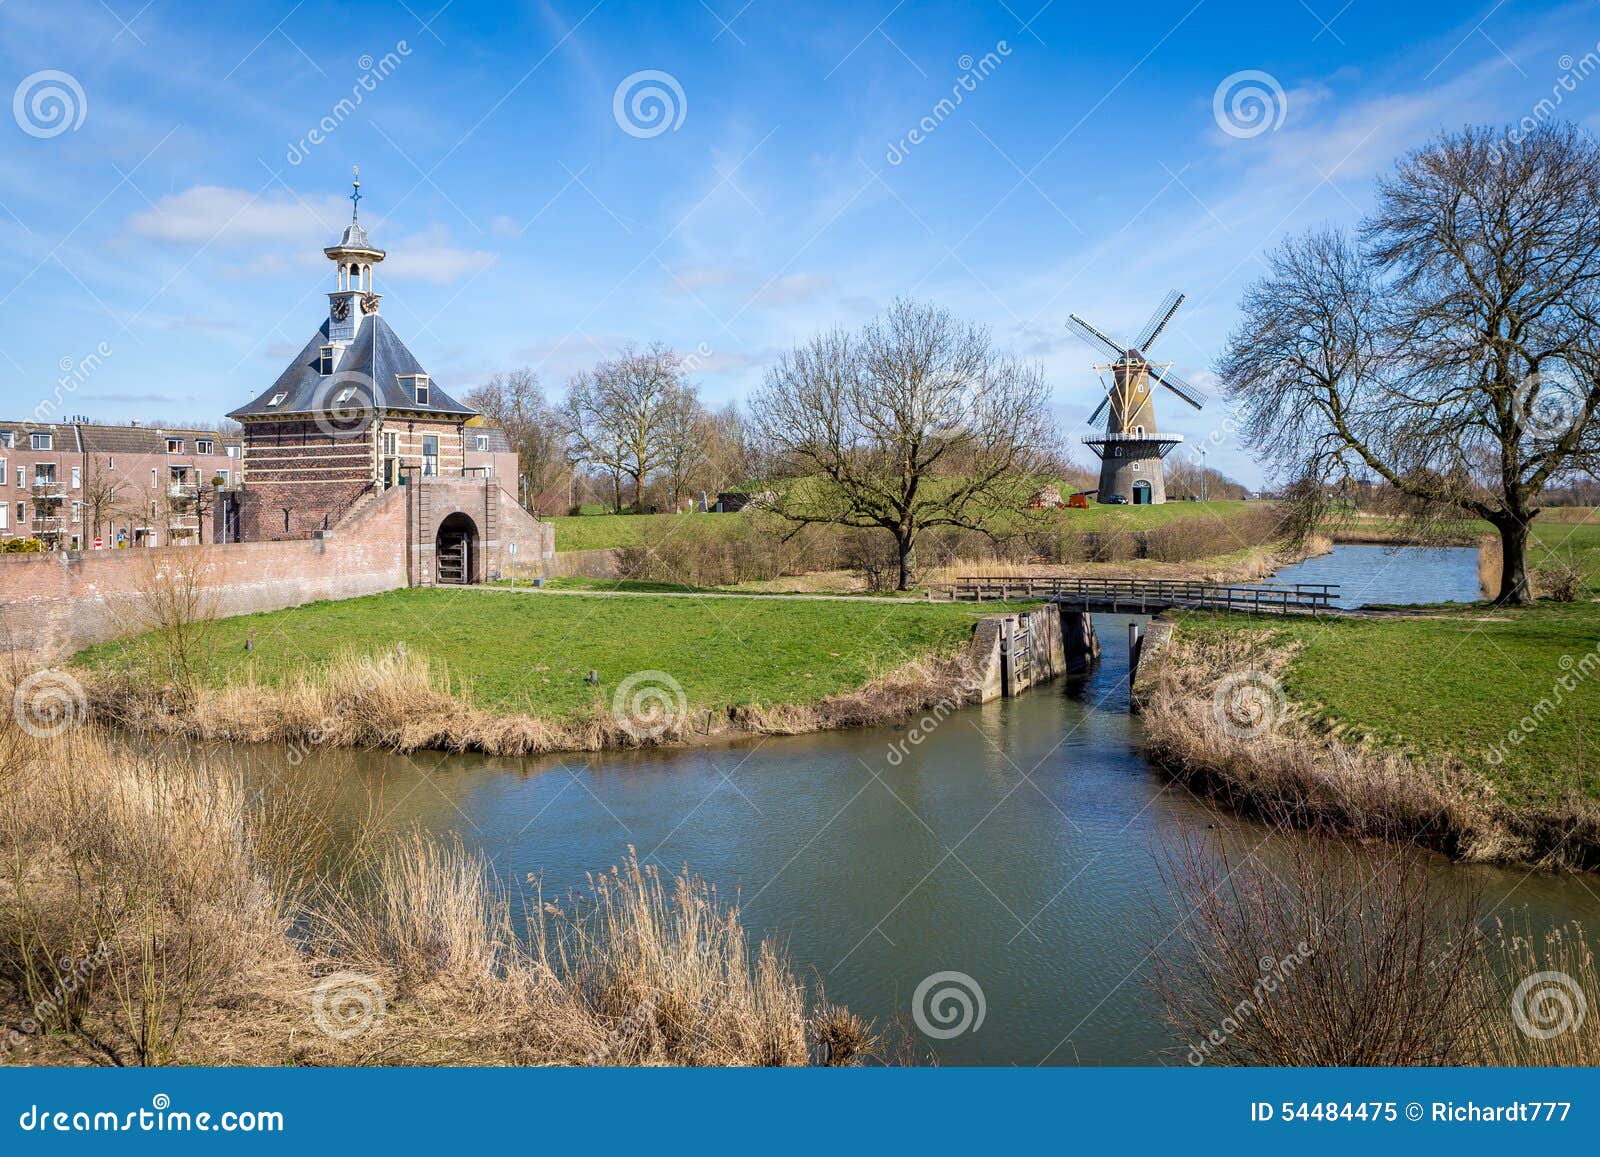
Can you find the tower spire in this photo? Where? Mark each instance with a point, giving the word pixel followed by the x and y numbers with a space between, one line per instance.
pixel 355 195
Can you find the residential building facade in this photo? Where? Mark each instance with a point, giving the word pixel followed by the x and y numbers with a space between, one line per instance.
pixel 76 485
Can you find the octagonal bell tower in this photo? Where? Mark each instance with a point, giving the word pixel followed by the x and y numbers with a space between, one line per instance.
pixel 353 258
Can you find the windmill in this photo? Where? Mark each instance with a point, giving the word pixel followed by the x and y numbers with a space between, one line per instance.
pixel 1131 450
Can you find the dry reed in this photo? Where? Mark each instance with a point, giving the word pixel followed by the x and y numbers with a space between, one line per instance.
pixel 1298 769
pixel 153 911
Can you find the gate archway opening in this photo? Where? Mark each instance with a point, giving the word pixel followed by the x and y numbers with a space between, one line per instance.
pixel 455 550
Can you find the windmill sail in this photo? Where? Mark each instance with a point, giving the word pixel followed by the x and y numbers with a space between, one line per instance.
pixel 1093 336
pixel 1158 320
pixel 1191 394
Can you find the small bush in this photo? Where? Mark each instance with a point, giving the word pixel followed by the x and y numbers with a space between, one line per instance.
pixel 1560 579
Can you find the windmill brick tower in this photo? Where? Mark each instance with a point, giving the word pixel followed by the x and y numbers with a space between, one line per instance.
pixel 1132 449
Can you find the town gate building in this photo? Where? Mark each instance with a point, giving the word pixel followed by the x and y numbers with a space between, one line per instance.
pixel 356 420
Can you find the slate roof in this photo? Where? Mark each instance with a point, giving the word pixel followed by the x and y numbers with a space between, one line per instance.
pixel 498 442
pixel 372 364
pixel 152 439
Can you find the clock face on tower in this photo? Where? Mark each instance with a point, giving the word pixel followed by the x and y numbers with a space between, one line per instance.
pixel 369 303
pixel 341 308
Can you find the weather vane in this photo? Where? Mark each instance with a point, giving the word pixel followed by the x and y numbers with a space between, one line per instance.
pixel 355 194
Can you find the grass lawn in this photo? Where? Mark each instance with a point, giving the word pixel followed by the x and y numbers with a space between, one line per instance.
pixel 602 531
pixel 1579 541
pixel 1447 685
pixel 531 653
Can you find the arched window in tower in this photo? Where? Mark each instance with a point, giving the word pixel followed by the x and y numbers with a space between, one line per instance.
pixel 1139 430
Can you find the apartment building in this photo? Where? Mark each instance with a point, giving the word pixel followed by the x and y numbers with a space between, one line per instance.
pixel 79 486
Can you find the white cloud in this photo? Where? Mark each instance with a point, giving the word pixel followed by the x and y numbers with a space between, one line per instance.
pixel 212 213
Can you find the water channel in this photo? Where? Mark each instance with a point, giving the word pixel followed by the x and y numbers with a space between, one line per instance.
pixel 1020 844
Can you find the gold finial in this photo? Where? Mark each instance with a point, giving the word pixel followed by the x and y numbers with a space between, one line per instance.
pixel 355 193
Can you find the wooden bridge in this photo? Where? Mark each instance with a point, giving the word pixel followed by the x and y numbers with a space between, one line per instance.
pixel 1148 596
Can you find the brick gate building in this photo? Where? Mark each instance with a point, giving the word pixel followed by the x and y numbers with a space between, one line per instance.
pixel 355 420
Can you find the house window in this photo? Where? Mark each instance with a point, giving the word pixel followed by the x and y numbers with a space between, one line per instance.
pixel 204 446
pixel 22 514
pixel 174 445
pixel 325 360
pixel 418 385
pixel 430 455
pixel 43 442
pixel 276 398
pixel 483 443
pixel 5 516
pixel 3 474
pixel 391 443
pixel 345 395
pixel 44 474
pixel 224 475
pixel 21 482
pixel 152 478
pixel 77 477
pixel 8 439
pixel 77 512
pixel 1136 467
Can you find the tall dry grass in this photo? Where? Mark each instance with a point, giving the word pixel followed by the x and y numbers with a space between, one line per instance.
pixel 410 702
pixel 1300 771
pixel 154 911
pixel 1306 950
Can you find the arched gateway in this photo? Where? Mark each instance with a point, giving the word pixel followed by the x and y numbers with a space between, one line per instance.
pixel 455 550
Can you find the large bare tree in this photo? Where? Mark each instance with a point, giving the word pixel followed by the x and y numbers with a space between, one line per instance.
pixel 516 403
pixel 618 412
pixel 915 422
pixel 1450 348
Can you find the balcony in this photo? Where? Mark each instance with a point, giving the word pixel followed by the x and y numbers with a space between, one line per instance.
pixel 48 491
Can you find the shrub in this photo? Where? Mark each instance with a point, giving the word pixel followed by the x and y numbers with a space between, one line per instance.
pixel 1559 579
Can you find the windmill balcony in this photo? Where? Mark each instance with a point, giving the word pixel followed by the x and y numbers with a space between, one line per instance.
pixel 1096 439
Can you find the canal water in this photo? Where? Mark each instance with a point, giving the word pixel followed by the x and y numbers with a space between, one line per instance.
pixel 1381 574
pixel 1020 844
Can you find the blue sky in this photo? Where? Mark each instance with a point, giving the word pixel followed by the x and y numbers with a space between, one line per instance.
pixel 174 219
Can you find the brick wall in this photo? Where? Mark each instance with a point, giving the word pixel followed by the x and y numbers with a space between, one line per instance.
pixel 59 602
pixel 63 601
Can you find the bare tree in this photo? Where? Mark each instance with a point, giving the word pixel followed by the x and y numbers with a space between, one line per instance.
pixel 686 435
pixel 1450 348
pixel 516 403
pixel 103 498
pixel 618 411
pixel 914 423
pixel 593 431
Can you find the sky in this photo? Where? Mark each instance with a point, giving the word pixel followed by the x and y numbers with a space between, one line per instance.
pixel 554 180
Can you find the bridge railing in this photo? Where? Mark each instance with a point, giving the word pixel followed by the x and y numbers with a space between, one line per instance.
pixel 1143 594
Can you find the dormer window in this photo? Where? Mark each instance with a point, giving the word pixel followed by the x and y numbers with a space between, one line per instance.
pixel 277 398
pixel 8 439
pixel 483 443
pixel 417 385
pixel 325 360
pixel 174 445
pixel 43 442
pixel 203 446
pixel 345 395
